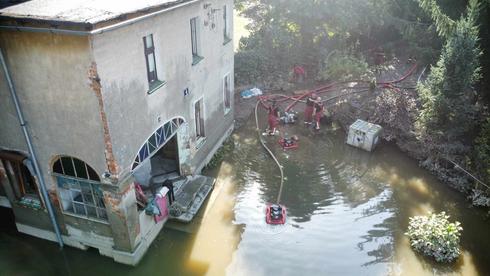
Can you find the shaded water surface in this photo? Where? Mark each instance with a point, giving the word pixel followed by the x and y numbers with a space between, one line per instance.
pixel 347 211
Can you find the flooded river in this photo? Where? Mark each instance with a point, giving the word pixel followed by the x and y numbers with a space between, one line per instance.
pixel 347 212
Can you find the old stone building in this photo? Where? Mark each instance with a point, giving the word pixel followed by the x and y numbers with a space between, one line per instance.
pixel 113 93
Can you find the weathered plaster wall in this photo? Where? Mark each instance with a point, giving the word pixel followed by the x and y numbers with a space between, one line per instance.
pixel 132 113
pixel 61 81
pixel 50 74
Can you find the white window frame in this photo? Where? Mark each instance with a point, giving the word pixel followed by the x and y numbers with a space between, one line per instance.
pixel 69 205
pixel 157 140
pixel 196 39
pixel 151 75
pixel 227 109
pixel 68 192
pixel 154 82
pixel 199 139
pixel 226 24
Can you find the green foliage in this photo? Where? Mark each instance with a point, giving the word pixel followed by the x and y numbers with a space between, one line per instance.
pixel 261 57
pixel 250 65
pixel 284 33
pixel 482 151
pixel 412 24
pixel 479 198
pixel 448 98
pixel 342 67
pixel 435 236
pixel 395 111
pixel 444 24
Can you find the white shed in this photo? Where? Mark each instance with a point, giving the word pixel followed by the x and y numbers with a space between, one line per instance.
pixel 364 135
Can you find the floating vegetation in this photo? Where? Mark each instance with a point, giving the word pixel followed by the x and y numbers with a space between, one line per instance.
pixel 435 236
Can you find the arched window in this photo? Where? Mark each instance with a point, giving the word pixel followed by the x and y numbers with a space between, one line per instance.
pixel 79 188
pixel 74 167
pixel 157 140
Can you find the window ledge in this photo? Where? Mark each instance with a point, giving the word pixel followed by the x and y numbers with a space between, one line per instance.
pixel 154 86
pixel 30 202
pixel 86 218
pixel 227 110
pixel 226 40
pixel 196 60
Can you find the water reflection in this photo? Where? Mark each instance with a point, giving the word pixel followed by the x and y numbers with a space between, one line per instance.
pixel 347 212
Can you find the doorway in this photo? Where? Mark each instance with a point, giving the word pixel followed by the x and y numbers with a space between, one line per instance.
pixel 165 162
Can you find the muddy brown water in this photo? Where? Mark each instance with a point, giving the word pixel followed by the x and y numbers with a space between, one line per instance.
pixel 347 212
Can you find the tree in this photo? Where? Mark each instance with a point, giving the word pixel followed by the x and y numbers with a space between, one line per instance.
pixel 448 97
pixel 284 33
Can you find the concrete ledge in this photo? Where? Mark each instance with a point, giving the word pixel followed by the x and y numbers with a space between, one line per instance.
pixel 189 201
pixel 133 258
pixel 118 256
pixel 48 235
pixel 215 149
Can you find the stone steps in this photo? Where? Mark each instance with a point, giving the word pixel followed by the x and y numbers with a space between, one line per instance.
pixel 189 197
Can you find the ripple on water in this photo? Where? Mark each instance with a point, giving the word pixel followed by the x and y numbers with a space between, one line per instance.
pixel 345 212
pixel 323 244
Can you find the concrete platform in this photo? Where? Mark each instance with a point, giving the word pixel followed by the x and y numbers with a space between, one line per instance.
pixel 190 194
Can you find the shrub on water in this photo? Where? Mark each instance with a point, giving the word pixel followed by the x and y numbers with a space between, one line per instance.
pixel 435 236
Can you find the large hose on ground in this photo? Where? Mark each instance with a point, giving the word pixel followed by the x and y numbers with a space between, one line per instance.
pixel 269 151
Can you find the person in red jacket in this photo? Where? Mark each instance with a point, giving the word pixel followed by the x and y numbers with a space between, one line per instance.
pixel 310 104
pixel 299 73
pixel 273 118
pixel 318 112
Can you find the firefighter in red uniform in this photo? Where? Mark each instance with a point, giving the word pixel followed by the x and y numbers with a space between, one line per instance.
pixel 310 104
pixel 273 118
pixel 299 73
pixel 318 112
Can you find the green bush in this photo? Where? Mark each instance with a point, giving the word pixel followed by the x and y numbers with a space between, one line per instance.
pixel 250 67
pixel 449 112
pixel 435 236
pixel 342 67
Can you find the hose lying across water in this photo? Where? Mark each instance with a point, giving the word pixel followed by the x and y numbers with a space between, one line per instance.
pixel 260 102
pixel 278 200
pixel 299 98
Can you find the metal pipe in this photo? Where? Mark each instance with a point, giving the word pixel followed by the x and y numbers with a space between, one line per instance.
pixel 23 125
pixel 96 31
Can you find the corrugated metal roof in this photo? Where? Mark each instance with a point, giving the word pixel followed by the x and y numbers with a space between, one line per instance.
pixel 87 12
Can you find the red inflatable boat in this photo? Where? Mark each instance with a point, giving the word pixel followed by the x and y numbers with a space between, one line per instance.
pixel 275 214
pixel 288 143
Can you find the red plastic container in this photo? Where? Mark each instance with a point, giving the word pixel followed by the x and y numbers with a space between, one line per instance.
pixel 275 214
pixel 282 142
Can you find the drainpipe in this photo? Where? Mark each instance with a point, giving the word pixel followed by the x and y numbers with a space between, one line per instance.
pixel 42 185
